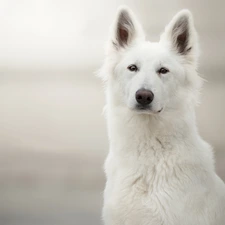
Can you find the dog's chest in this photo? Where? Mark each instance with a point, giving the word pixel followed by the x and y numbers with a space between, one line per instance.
pixel 135 189
pixel 125 200
pixel 148 186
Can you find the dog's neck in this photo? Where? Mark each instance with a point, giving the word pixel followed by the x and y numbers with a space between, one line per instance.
pixel 125 126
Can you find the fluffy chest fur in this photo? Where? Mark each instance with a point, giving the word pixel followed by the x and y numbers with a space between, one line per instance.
pixel 158 183
pixel 163 178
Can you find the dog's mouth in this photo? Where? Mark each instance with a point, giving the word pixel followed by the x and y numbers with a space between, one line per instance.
pixel 160 110
pixel 147 110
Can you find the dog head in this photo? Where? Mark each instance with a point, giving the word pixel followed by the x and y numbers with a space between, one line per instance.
pixel 147 77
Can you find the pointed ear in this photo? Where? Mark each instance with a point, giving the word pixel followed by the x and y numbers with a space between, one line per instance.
pixel 181 36
pixel 126 30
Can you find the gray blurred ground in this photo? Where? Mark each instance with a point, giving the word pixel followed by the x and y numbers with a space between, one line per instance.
pixel 53 137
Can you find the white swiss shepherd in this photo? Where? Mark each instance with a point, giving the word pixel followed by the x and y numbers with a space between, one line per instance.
pixel 159 170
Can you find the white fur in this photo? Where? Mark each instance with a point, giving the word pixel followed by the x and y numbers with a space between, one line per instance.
pixel 159 170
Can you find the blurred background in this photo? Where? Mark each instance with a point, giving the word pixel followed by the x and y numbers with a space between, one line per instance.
pixel 53 137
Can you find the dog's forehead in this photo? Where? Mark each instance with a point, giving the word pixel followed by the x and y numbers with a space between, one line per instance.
pixel 149 51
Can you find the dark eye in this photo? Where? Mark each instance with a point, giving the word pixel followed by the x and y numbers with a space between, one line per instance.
pixel 132 68
pixel 163 70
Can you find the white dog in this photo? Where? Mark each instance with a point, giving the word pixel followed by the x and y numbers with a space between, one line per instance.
pixel 159 170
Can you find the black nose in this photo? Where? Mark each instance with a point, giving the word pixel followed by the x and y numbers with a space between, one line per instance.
pixel 144 97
